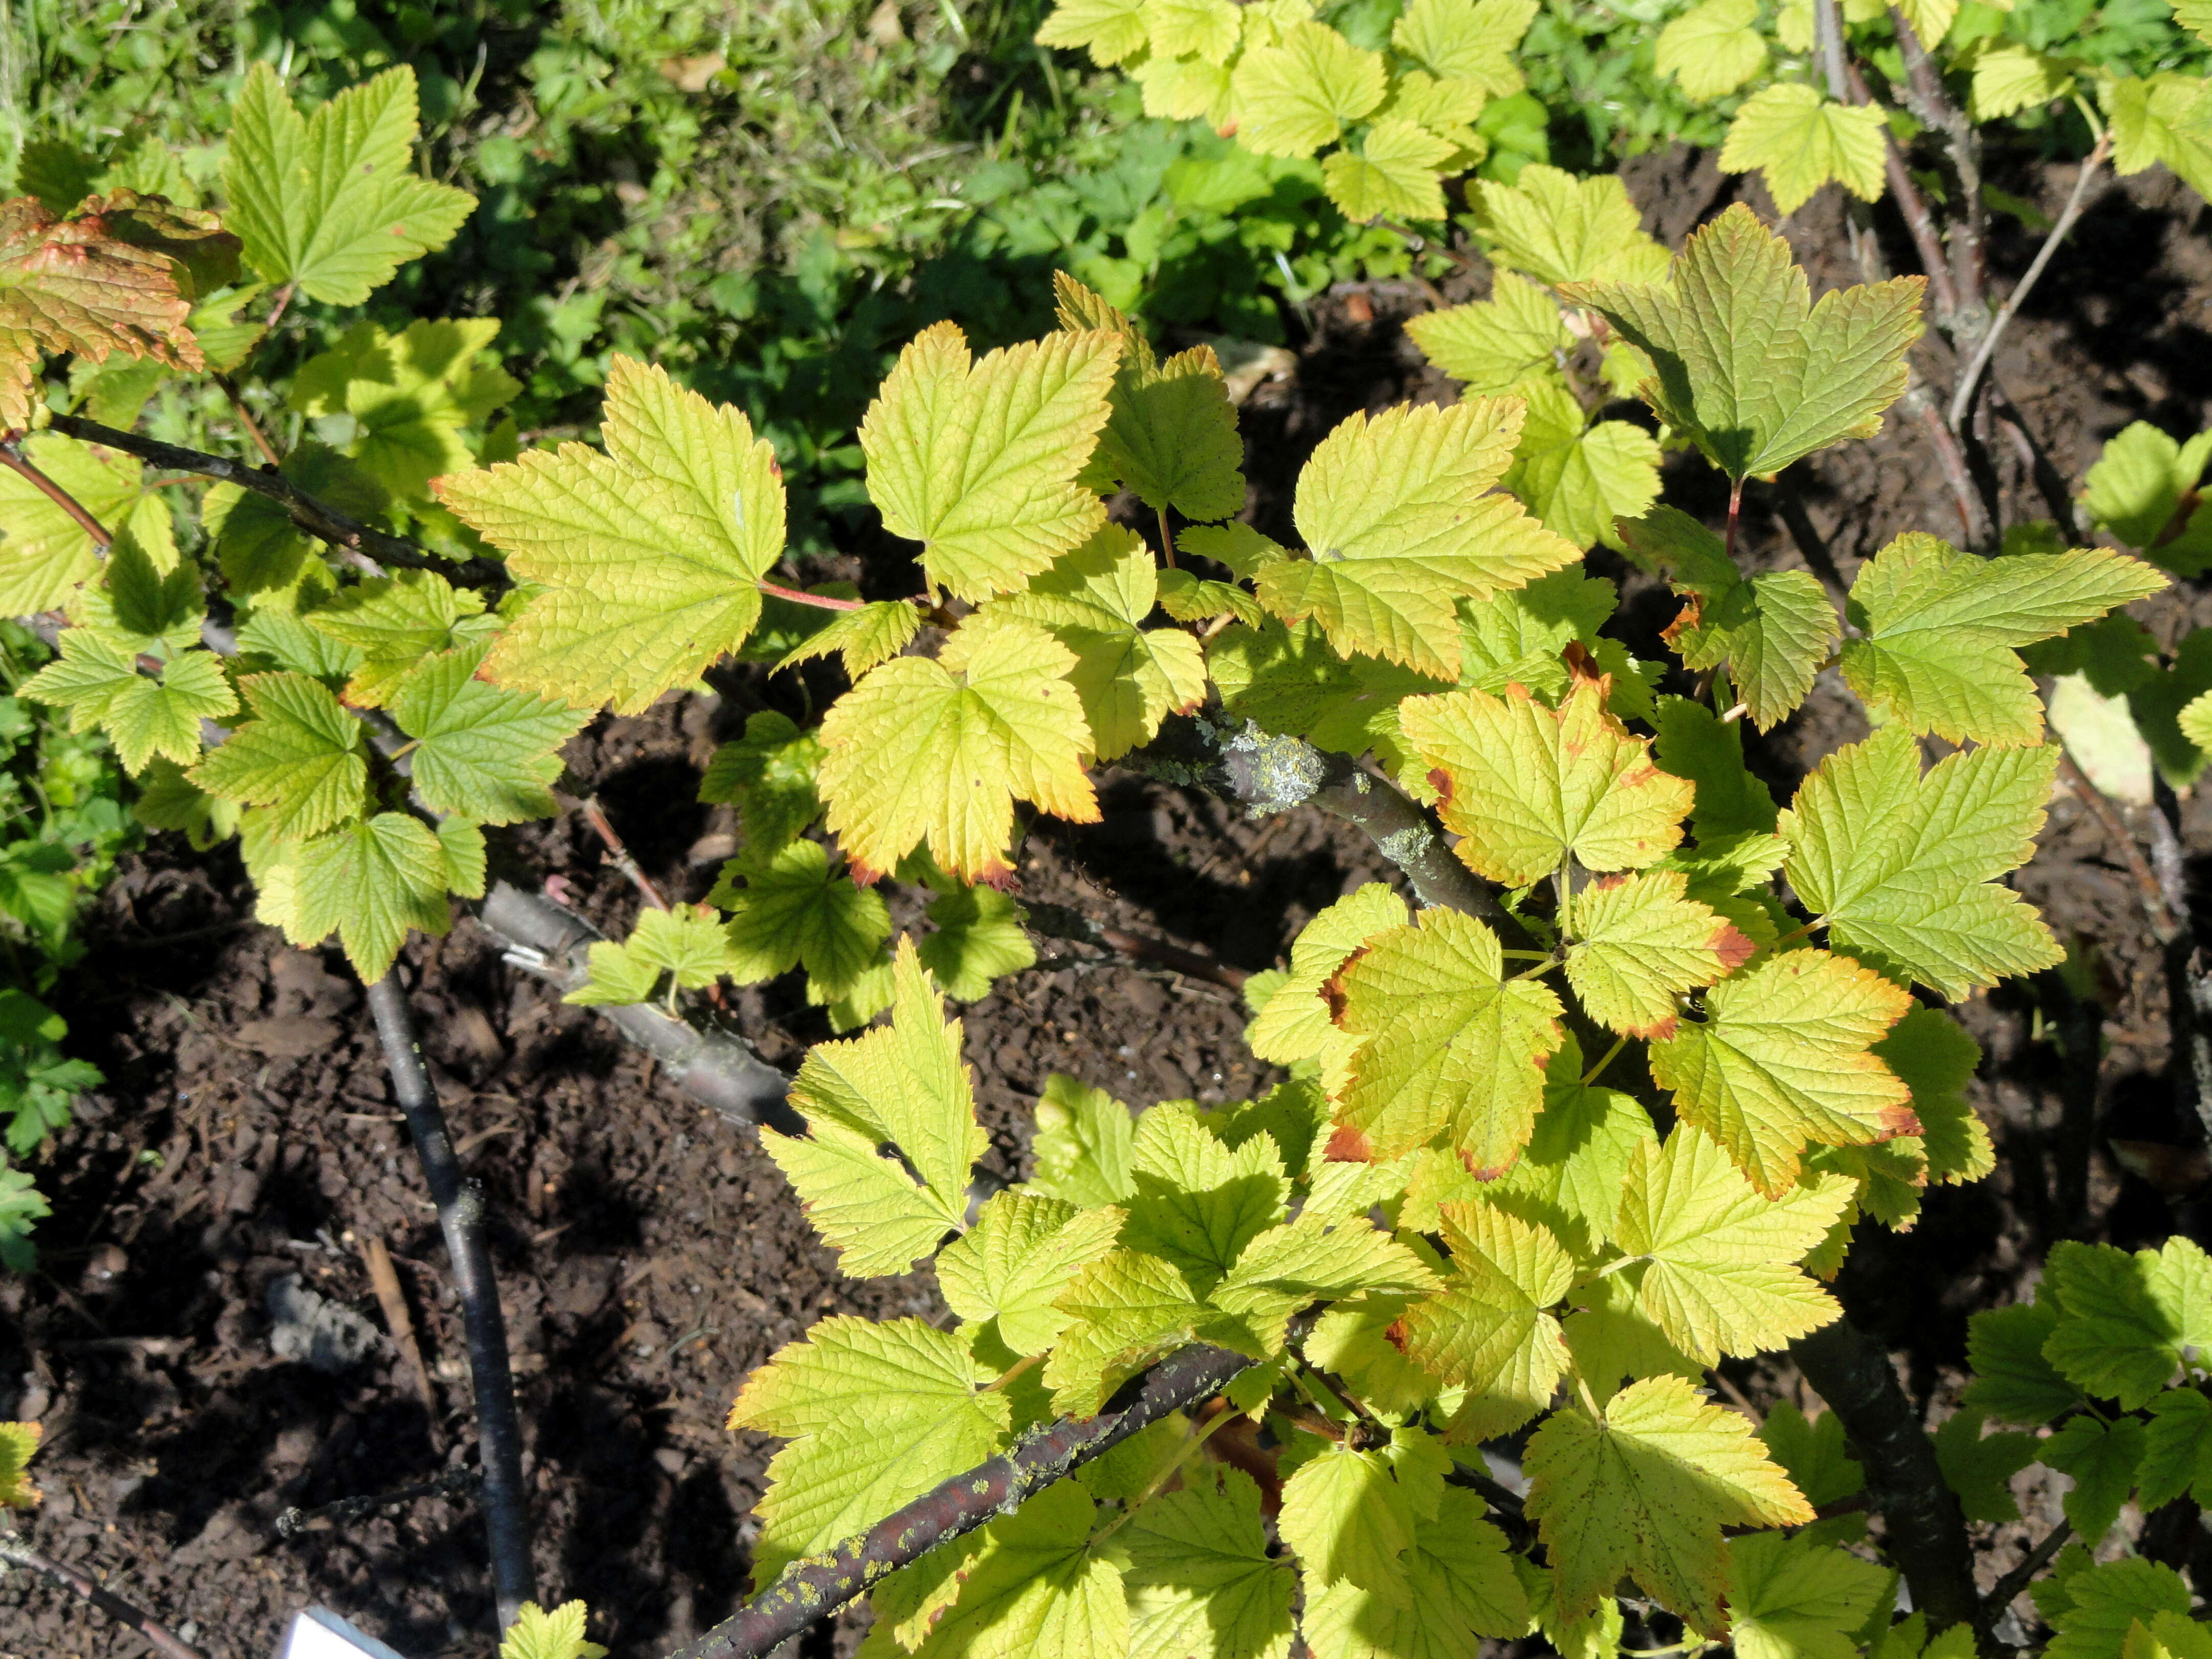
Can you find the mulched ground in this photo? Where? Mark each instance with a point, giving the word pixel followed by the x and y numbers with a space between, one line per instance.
pixel 649 1254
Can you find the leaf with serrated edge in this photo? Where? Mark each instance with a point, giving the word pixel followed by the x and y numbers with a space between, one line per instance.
pixel 769 776
pixel 1559 228
pixel 1021 1254
pixel 1747 365
pixel 1903 867
pixel 482 750
pixel 45 553
pixel 1112 30
pixel 1791 1598
pixel 1491 1330
pixel 792 910
pixel 301 753
pixel 935 751
pixel 1197 1201
pixel 1801 140
pixel 2012 1378
pixel 1783 1057
pixel 1124 1311
pixel 2102 1601
pixel 880 1414
pixel 1578 476
pixel 1523 784
pixel 2121 1328
pixel 1646 1490
pixel 370 883
pixel 1296 96
pixel 1571 1177
pixel 904 1084
pixel 537 1634
pixel 1637 944
pixel 410 395
pixel 1401 517
pixel 1711 49
pixel 1940 629
pixel 1458 1587
pixel 873 634
pixel 327 202
pixel 1315 1258
pixel 1346 1516
pixel 1493 344
pixel 1396 173
pixel 648 554
pixel 145 717
pixel 1041 1588
pixel 1451 1046
pixel 1723 1276
pixel 1201 1582
pixel 1295 1025
pixel 977 459
pixel 1082 1145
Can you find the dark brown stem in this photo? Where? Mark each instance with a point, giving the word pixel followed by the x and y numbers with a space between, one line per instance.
pixel 455 1482
pixel 269 450
pixel 461 1218
pixel 12 457
pixel 817 1586
pixel 1969 382
pixel 1914 208
pixel 2007 1589
pixel 1973 516
pixel 319 518
pixel 1922 1526
pixel 1167 540
pixel 1736 510
pixel 1058 921
pixel 165 1640
pixel 1924 96
pixel 2164 924
pixel 619 855
pixel 820 601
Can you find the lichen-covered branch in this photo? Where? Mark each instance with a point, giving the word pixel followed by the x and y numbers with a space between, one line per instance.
pixel 717 1068
pixel 818 1585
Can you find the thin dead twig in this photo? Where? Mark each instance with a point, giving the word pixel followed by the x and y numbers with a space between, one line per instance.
pixel 165 1640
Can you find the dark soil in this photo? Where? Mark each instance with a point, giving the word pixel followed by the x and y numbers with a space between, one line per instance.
pixel 649 1254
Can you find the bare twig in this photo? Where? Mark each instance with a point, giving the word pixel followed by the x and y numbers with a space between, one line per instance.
pixel 2007 1589
pixel 164 1639
pixel 12 457
pixel 618 855
pixel 455 1482
pixel 1058 921
pixel 1969 382
pixel 812 1588
pixel 1924 96
pixel 1973 513
pixel 319 518
pixel 1923 1525
pixel 384 1280
pixel 2164 924
pixel 269 450
pixel 460 1218
pixel 1919 220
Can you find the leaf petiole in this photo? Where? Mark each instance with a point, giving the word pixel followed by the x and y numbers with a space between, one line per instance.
pixel 820 601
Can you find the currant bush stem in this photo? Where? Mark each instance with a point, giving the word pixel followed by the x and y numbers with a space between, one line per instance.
pixel 461 1219
pixel 618 855
pixel 820 601
pixel 165 1640
pixel 1167 539
pixel 2164 927
pixel 817 1586
pixel 1735 507
pixel 269 450
pixel 2007 1589
pixel 12 457
pixel 1192 1442
pixel 319 518
pixel 1604 1060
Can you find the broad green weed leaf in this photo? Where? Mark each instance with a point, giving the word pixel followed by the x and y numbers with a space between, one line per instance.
pixel 1942 629
pixel 2011 1379
pixel 769 776
pixel 481 751
pixel 1082 1145
pixel 792 910
pixel 1021 1254
pixel 1645 1490
pixel 1111 30
pixel 302 755
pixel 1801 140
pixel 1450 1046
pixel 1979 1468
pixel 1400 515
pixel 1458 1585
pixel 328 202
pixel 647 554
pixel 1294 97
pixel 1774 631
pixel 410 396
pixel 935 751
pixel 1558 228
pixel 1903 867
pixel 1711 49
pixel 1578 476
pixel 1094 600
pixel 145 715
pixel 878 1413
pixel 1396 174
pixel 904 1084
pixel 861 639
pixel 537 1634
pixel 1525 786
pixel 1745 364
pixel 977 459
pixel 1783 1057
pixel 119 275
pixel 1722 1276
pixel 1640 945
pixel 1201 1582
pixel 370 883
pixel 979 937
pixel 1494 344
pixel 1490 1330
pixel 1791 1598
